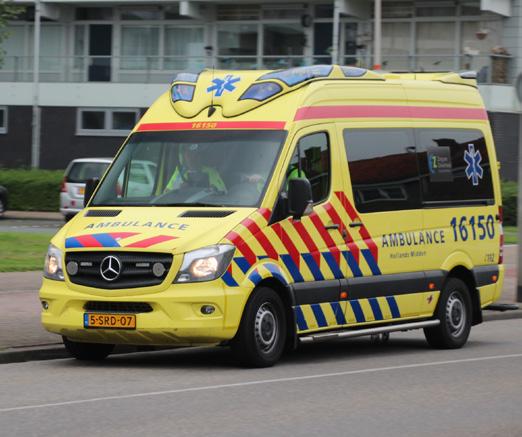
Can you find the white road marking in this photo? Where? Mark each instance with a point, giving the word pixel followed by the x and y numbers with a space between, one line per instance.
pixel 258 382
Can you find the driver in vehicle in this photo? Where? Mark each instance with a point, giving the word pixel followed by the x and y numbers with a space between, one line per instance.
pixel 190 171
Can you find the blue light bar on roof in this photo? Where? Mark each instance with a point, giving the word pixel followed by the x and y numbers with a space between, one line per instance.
pixel 186 77
pixel 182 92
pixel 298 75
pixel 353 71
pixel 261 91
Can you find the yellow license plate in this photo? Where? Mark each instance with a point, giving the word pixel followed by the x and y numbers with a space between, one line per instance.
pixel 109 321
pixel 81 191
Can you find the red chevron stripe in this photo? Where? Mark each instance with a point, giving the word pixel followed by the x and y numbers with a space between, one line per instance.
pixel 260 237
pixel 236 239
pixel 305 236
pixel 354 249
pixel 88 241
pixel 287 242
pixel 363 232
pixel 327 238
pixel 265 212
pixel 151 241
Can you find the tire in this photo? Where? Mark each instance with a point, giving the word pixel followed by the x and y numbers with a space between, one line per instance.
pixel 2 207
pixel 454 313
pixel 261 338
pixel 68 217
pixel 88 351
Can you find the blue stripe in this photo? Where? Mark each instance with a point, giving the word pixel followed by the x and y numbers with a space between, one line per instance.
pixel 312 265
pixel 72 243
pixel 354 267
pixel 339 316
pixel 357 310
pixel 106 240
pixel 394 308
pixel 255 277
pixel 292 268
pixel 319 315
pixel 276 273
pixel 334 267
pixel 242 263
pixel 371 261
pixel 300 319
pixel 374 303
pixel 229 280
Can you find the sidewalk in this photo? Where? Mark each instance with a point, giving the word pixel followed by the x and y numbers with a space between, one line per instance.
pixel 32 215
pixel 20 309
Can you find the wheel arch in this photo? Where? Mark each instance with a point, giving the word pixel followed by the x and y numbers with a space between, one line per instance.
pixel 466 275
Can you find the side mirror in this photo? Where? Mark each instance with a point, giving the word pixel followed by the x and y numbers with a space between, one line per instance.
pixel 299 197
pixel 90 188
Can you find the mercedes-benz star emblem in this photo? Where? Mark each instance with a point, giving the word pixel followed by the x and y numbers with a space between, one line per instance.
pixel 110 268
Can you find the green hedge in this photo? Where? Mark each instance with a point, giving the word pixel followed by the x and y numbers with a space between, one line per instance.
pixel 509 202
pixel 32 190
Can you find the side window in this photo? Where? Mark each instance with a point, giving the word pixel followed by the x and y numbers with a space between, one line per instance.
pixel 314 164
pixel 140 180
pixel 383 169
pixel 454 165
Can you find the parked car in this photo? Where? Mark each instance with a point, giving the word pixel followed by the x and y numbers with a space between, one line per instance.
pixel 73 184
pixel 3 201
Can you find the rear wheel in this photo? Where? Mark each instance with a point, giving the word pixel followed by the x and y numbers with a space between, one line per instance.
pixel 260 340
pixel 2 207
pixel 454 313
pixel 87 351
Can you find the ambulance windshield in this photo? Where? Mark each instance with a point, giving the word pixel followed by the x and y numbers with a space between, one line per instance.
pixel 192 168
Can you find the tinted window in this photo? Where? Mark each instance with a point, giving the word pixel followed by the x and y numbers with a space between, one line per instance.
pixel 454 165
pixel 383 169
pixel 315 164
pixel 81 171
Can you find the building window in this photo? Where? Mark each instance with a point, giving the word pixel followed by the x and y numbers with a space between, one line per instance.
pixel 289 54
pixel 109 122
pixel 140 47
pixel 3 120
pixel 184 48
pixel 237 45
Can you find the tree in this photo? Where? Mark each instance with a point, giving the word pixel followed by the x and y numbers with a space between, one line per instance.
pixel 8 11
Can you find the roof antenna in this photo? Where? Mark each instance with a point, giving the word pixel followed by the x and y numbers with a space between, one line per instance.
pixel 211 108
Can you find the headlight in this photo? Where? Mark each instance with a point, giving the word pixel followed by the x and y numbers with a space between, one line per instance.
pixel 53 264
pixel 205 264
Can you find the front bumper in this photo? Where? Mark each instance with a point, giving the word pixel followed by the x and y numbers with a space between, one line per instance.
pixel 176 318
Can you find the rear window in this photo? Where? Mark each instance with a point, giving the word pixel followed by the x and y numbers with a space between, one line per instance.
pixel 80 172
pixel 454 166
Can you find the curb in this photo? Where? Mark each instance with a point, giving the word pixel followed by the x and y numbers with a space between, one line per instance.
pixel 34 353
pixel 33 215
pixel 57 351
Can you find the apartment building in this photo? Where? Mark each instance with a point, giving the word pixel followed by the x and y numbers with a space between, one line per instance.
pixel 103 62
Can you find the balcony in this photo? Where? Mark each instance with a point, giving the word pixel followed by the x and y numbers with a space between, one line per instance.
pixel 492 69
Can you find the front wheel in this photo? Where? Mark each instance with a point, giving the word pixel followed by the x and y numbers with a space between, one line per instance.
pixel 260 340
pixel 454 313
pixel 87 351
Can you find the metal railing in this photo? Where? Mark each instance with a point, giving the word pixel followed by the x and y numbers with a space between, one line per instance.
pixel 161 69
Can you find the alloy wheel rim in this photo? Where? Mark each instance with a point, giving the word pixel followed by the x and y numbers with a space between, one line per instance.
pixel 455 314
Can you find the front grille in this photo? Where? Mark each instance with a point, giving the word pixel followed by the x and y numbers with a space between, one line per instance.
pixel 117 307
pixel 136 269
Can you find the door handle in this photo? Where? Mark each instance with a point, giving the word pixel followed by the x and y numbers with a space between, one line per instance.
pixel 355 224
pixel 331 227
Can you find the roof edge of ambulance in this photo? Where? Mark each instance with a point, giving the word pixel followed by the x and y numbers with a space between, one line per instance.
pixel 234 93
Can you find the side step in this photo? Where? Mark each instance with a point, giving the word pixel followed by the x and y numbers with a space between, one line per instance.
pixel 501 307
pixel 348 333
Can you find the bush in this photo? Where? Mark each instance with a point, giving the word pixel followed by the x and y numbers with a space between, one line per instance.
pixel 32 190
pixel 509 202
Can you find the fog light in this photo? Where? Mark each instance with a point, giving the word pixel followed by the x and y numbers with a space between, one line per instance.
pixel 207 309
pixel 45 305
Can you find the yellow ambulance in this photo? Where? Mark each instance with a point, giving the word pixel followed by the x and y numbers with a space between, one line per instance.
pixel 263 209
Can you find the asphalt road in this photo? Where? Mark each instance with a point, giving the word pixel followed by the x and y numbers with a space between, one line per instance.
pixel 30 225
pixel 342 388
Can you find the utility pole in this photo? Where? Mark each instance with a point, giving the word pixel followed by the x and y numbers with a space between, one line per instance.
pixel 335 33
pixel 35 146
pixel 519 214
pixel 377 35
